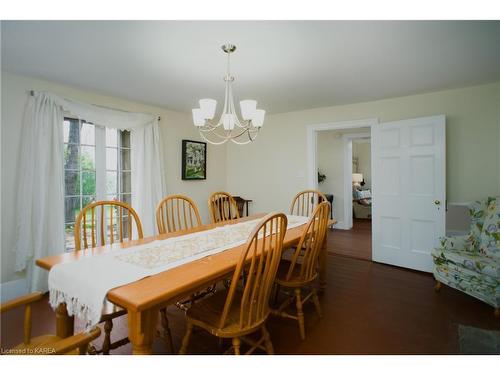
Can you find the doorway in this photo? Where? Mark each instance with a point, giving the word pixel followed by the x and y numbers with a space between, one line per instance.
pixel 342 150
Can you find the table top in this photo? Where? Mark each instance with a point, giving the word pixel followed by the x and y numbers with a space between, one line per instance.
pixel 169 286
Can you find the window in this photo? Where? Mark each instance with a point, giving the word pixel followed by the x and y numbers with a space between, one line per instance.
pixel 97 166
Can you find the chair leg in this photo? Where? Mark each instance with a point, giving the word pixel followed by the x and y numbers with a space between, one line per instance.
pixel 300 313
pixel 276 294
pixel 437 286
pixel 106 345
pixel 497 312
pixel 167 335
pixel 236 345
pixel 316 303
pixel 185 340
pixel 267 340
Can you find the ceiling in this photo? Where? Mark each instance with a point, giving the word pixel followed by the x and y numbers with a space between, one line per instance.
pixel 285 65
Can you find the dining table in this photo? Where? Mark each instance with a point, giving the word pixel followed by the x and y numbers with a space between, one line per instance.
pixel 144 298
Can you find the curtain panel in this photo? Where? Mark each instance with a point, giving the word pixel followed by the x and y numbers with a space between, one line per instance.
pixel 40 200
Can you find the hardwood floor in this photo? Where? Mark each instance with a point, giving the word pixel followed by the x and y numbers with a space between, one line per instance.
pixel 368 308
pixel 355 243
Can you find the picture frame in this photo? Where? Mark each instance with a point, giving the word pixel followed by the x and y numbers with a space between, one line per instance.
pixel 194 160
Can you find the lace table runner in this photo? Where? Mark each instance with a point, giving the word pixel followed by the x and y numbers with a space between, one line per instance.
pixel 84 284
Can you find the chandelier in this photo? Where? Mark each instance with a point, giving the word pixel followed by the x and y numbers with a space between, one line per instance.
pixel 229 126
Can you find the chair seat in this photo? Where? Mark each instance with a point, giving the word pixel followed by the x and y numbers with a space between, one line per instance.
pixel 207 314
pixel 295 280
pixel 471 261
pixel 41 345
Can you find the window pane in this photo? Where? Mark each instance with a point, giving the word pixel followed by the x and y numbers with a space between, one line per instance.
pixel 88 183
pixel 88 157
pixel 111 182
pixel 71 131
pixel 71 157
pixel 87 134
pixel 71 209
pixel 111 159
pixel 126 183
pixel 86 200
pixel 72 182
pixel 111 137
pixel 125 135
pixel 125 159
pixel 69 235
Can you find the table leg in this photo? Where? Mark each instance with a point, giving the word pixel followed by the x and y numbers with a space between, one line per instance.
pixel 65 324
pixel 142 330
pixel 322 263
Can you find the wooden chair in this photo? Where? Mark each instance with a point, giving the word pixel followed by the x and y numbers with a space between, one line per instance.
pixel 222 207
pixel 98 224
pixel 47 344
pixel 302 270
pixel 175 213
pixel 244 308
pixel 304 202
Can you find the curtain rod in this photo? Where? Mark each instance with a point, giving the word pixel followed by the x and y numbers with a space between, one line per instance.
pixel 32 93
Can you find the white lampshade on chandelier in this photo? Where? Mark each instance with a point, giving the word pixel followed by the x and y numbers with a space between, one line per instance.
pixel 229 126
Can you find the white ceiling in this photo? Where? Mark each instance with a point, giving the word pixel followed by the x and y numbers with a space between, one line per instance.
pixel 285 65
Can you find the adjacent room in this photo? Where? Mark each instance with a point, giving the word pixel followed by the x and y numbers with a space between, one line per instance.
pixel 250 187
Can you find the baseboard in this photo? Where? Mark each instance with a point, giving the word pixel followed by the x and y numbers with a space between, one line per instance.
pixel 341 225
pixel 13 289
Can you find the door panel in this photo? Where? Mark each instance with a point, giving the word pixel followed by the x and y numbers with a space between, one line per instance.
pixel 408 191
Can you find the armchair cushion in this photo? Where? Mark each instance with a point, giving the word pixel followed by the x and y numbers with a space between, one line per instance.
pixel 460 243
pixel 470 261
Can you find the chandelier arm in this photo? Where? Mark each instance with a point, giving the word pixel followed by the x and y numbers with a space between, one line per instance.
pixel 213 142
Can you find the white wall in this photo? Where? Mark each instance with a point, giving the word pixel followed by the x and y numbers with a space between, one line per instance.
pixel 175 126
pixel 330 161
pixel 273 168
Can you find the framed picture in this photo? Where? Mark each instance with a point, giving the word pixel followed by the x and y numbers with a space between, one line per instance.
pixel 194 160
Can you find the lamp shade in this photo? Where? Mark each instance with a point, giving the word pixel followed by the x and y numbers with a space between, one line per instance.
pixel 357 178
pixel 198 118
pixel 248 108
pixel 228 121
pixel 207 107
pixel 258 118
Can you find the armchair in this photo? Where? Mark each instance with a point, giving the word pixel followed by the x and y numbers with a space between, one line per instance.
pixel 471 263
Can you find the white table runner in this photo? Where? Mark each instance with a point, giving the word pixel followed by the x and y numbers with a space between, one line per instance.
pixel 84 284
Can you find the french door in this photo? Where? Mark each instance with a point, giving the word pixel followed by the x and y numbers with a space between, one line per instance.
pixel 409 191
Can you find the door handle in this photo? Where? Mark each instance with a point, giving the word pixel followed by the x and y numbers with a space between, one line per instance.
pixel 437 202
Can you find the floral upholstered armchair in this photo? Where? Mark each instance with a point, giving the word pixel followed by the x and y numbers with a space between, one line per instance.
pixel 471 263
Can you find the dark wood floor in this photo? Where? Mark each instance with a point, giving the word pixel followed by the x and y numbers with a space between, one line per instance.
pixel 369 308
pixel 354 243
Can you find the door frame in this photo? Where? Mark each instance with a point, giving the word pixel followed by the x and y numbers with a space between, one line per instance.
pixel 312 150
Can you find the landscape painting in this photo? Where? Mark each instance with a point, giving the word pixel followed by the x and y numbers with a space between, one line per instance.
pixel 194 160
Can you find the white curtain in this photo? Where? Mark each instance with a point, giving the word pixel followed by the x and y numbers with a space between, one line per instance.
pixel 40 200
pixel 40 203
pixel 148 179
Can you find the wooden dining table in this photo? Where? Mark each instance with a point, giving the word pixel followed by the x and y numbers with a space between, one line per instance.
pixel 144 298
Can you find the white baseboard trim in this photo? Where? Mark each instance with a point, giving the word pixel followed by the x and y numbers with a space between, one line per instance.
pixel 13 289
pixel 341 225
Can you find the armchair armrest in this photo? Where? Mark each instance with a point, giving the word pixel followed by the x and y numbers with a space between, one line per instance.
pixel 21 301
pixel 460 243
pixel 77 341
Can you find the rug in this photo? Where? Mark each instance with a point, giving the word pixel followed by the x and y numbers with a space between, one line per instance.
pixel 474 340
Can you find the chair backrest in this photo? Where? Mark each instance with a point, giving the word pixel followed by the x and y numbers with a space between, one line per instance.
pixel 304 202
pixel 477 213
pixel 310 244
pixel 222 207
pixel 256 268
pixel 175 213
pixel 105 222
pixel 61 346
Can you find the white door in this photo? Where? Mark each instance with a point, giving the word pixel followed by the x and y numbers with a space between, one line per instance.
pixel 409 191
